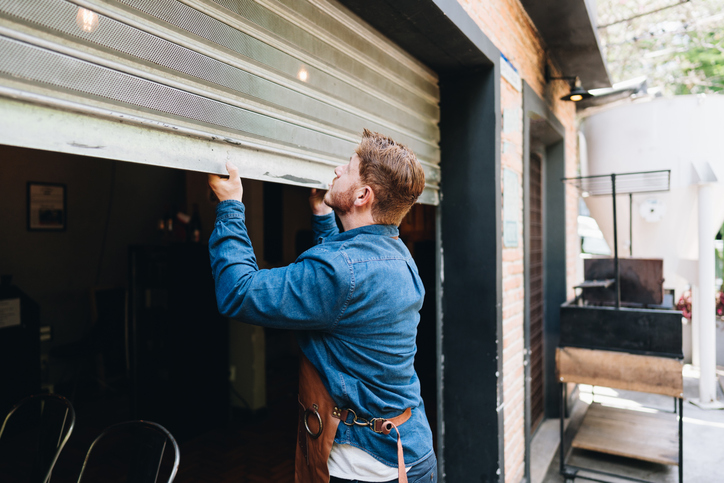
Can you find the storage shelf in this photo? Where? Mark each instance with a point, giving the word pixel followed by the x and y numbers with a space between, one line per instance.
pixel 630 433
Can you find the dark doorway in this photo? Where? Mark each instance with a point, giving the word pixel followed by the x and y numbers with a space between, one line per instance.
pixel 536 292
pixel 545 259
pixel 418 232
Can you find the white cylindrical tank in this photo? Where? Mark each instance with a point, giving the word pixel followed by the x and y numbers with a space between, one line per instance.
pixel 684 134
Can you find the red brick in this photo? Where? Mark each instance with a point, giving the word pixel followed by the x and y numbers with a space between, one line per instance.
pixel 507 25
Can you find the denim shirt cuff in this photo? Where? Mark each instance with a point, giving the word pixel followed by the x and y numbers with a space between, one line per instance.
pixel 230 209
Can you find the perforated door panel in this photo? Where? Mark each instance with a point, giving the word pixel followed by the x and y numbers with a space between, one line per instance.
pixel 282 88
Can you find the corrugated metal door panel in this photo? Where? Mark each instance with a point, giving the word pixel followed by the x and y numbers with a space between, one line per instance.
pixel 299 82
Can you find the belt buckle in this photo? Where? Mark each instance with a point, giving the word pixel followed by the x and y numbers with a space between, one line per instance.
pixel 373 425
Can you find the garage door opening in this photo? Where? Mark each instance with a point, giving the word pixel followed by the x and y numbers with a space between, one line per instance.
pixel 225 389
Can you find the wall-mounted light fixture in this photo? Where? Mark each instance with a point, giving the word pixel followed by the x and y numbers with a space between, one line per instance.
pixel 577 92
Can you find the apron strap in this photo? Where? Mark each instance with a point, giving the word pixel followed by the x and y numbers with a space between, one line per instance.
pixel 380 425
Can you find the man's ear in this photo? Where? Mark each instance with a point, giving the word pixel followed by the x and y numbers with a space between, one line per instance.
pixel 365 196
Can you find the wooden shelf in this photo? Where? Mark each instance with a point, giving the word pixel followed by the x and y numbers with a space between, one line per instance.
pixel 634 434
pixel 621 370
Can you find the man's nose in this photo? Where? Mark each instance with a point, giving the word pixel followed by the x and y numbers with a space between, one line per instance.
pixel 338 171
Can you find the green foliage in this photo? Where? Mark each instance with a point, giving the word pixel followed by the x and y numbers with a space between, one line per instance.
pixel 702 65
pixel 679 47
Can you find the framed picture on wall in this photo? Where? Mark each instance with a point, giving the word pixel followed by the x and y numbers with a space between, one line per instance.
pixel 46 206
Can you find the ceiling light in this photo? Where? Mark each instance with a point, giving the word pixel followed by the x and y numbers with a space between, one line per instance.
pixel 87 20
pixel 303 75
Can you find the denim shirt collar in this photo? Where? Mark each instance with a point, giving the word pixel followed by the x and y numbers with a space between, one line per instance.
pixel 382 230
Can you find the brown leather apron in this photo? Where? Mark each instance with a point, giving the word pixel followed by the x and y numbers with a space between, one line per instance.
pixel 318 421
pixel 317 427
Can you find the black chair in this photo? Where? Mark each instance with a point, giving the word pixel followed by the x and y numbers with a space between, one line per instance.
pixel 133 452
pixel 32 436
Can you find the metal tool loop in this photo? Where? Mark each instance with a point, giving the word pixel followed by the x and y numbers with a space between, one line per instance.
pixel 360 421
pixel 307 412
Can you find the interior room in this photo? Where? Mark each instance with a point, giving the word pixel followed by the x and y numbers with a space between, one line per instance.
pixel 127 326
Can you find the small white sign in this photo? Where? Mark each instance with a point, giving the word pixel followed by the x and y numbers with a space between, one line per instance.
pixel 511 120
pixel 510 73
pixel 511 208
pixel 9 312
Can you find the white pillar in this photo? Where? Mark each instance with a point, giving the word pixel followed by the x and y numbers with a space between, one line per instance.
pixel 705 304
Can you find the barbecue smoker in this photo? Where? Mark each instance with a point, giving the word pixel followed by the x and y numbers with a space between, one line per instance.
pixel 640 318
pixel 621 331
pixel 622 305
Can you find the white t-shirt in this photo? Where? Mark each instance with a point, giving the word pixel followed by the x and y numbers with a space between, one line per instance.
pixel 351 463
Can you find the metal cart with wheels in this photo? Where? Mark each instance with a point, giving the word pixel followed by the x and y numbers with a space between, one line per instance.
pixel 653 436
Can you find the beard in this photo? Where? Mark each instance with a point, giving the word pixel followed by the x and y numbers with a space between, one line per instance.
pixel 340 202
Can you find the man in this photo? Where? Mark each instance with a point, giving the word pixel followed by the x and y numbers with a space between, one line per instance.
pixel 354 300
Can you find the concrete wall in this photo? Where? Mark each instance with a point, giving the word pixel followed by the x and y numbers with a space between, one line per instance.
pixel 506 23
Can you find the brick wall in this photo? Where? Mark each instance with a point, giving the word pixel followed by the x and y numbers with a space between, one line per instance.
pixel 511 102
pixel 507 25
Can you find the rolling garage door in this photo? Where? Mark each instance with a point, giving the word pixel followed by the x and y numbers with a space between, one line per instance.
pixel 283 88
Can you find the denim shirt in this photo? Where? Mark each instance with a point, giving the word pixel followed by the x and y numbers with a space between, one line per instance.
pixel 354 300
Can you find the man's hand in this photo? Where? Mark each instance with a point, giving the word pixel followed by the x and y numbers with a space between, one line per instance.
pixel 227 188
pixel 317 204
